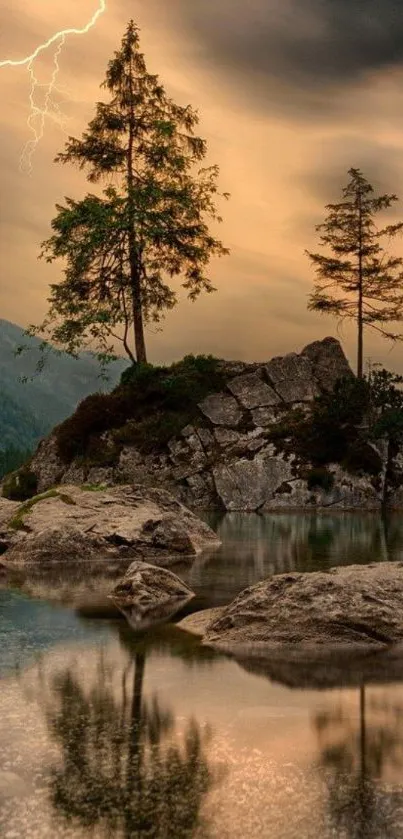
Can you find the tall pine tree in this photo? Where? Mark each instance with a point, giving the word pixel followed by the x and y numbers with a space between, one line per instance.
pixel 360 280
pixel 150 225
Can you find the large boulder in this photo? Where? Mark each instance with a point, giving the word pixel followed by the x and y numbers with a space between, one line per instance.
pixel 148 595
pixel 72 522
pixel 351 608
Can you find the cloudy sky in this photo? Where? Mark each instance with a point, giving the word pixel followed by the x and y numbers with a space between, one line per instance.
pixel 291 94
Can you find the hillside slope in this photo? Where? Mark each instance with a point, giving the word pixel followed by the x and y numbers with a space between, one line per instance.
pixel 29 411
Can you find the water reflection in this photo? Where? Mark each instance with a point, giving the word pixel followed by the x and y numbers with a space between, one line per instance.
pixel 127 767
pixel 255 547
pixel 357 750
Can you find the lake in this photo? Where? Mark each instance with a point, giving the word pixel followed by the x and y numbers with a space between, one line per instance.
pixel 109 735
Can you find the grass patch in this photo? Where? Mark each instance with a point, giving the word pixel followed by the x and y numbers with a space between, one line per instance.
pixel 67 499
pixel 149 406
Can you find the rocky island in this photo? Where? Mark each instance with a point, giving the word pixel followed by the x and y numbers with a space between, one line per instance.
pixel 228 435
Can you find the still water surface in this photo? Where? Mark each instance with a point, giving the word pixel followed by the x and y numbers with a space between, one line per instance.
pixel 105 735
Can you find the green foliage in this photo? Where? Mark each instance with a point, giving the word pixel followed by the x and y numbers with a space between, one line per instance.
pixel 359 280
pixel 334 424
pixel 149 226
pixel 360 457
pixel 344 424
pixel 387 404
pixel 320 478
pixel 151 405
pixel 20 485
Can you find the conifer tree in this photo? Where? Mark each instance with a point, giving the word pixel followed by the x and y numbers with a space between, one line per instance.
pixel 123 248
pixel 360 280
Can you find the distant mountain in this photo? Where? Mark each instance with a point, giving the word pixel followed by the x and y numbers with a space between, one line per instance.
pixel 29 411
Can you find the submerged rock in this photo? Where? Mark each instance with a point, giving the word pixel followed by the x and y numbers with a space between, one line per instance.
pixel 148 595
pixel 356 607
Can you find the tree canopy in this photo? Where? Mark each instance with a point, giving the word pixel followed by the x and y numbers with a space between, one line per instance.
pixel 360 280
pixel 124 248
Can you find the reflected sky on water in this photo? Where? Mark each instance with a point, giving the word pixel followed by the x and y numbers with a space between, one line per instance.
pixel 108 735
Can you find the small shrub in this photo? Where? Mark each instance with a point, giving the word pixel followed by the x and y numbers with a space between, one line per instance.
pixel 150 405
pixel 21 485
pixel 320 478
pixel 153 432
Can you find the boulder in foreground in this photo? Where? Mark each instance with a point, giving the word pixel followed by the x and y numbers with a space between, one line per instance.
pixel 72 523
pixel 356 607
pixel 148 595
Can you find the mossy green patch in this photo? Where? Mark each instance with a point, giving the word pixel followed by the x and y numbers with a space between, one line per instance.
pixel 17 522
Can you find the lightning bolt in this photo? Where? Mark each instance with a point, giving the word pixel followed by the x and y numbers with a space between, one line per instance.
pixel 48 108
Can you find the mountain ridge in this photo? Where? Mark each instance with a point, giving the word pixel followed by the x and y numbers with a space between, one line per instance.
pixel 28 411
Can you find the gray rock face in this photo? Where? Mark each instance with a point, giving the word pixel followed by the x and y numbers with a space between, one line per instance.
pixel 328 362
pixel 356 607
pixel 247 484
pixel 120 521
pixel 221 409
pixel 292 377
pixel 148 595
pixel 47 465
pixel 252 391
pixel 262 417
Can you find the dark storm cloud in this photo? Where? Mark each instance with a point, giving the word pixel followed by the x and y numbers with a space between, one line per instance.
pixel 380 164
pixel 297 48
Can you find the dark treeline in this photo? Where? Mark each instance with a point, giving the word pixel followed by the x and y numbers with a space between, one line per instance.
pixel 12 458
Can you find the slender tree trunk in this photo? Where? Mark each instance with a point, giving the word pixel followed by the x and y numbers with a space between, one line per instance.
pixel 135 277
pixel 138 325
pixel 360 335
pixel 360 297
pixel 134 762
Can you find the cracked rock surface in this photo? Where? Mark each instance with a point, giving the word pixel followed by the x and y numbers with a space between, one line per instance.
pixel 358 607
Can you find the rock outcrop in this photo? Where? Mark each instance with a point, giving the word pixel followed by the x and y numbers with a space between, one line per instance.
pixel 346 609
pixel 225 458
pixel 148 595
pixel 73 523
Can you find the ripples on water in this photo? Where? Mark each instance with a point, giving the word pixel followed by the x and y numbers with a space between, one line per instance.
pixel 105 735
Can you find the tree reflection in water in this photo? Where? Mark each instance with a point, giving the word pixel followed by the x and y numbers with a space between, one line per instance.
pixel 125 769
pixel 360 805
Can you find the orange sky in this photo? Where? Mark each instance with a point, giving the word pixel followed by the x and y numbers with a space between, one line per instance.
pixel 290 96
